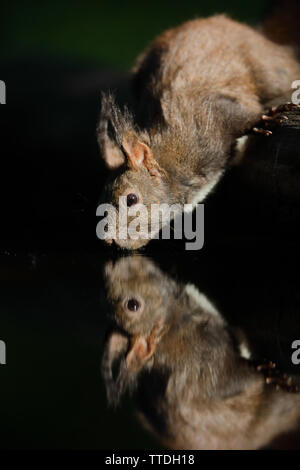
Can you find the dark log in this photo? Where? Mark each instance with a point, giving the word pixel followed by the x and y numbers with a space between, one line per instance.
pixel 260 197
pixel 272 164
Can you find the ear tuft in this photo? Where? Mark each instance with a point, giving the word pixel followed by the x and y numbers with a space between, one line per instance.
pixel 112 125
pixel 118 140
pixel 130 357
pixel 114 354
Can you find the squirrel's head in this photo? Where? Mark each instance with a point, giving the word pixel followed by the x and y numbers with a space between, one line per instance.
pixel 166 166
pixel 140 297
pixel 139 294
pixel 136 176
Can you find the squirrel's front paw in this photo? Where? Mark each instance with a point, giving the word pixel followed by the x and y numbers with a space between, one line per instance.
pixel 273 117
pixel 273 376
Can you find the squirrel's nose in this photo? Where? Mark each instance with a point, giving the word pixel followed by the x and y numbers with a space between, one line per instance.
pixel 109 241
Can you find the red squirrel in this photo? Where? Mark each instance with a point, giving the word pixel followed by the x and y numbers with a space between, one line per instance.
pixel 198 87
pixel 193 378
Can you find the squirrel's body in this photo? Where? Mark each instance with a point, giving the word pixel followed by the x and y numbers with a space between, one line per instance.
pixel 205 58
pixel 206 82
pixel 198 88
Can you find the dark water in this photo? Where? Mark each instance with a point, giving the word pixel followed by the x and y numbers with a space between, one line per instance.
pixel 54 320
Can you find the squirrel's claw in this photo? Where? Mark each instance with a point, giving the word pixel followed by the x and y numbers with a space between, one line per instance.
pixel 273 376
pixel 273 117
pixel 260 130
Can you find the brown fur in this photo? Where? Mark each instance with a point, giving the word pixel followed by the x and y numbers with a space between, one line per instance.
pixel 198 88
pixel 192 388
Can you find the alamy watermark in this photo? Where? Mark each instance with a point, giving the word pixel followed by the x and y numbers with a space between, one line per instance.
pixel 296 93
pixel 139 222
pixel 296 354
pixel 2 353
pixel 2 92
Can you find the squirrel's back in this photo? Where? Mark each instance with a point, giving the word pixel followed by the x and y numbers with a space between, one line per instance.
pixel 212 55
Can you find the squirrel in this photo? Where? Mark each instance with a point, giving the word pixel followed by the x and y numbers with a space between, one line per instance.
pixel 199 88
pixel 194 382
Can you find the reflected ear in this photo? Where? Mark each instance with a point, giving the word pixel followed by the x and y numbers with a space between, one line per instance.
pixel 115 346
pixel 128 360
pixel 139 154
pixel 118 372
pixel 144 347
pixel 138 354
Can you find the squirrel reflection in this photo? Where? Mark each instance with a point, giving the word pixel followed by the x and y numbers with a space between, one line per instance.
pixel 193 384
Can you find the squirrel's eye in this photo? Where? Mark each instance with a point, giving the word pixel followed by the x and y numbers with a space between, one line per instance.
pixel 133 305
pixel 131 199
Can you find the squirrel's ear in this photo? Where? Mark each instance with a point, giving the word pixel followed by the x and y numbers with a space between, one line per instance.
pixel 138 354
pixel 113 356
pixel 115 346
pixel 139 154
pixel 111 154
pixel 127 358
pixel 144 347
pixel 136 151
pixel 109 131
